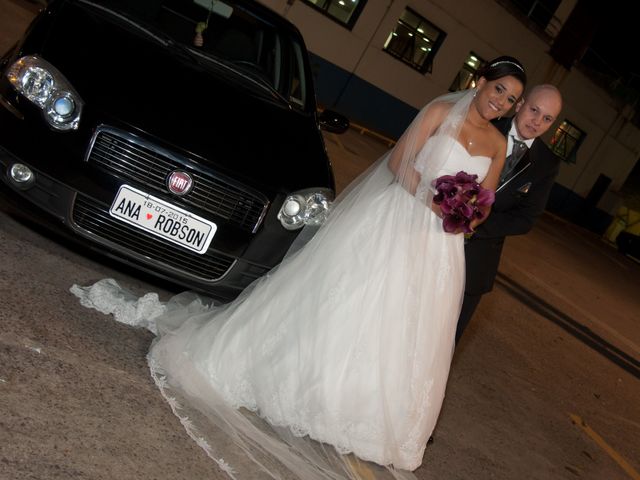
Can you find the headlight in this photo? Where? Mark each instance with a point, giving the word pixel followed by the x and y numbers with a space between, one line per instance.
pixel 305 207
pixel 41 83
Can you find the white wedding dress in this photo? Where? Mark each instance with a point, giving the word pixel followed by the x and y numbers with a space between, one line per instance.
pixel 349 342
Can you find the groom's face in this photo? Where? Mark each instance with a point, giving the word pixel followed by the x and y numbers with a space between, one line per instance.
pixel 538 112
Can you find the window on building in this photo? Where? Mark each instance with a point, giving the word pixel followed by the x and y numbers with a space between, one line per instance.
pixel 415 41
pixel 566 140
pixel 345 12
pixel 466 76
pixel 540 12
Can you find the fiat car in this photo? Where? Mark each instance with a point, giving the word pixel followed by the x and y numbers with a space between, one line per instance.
pixel 178 136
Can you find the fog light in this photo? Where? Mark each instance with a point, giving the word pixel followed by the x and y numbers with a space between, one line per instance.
pixel 291 207
pixel 21 174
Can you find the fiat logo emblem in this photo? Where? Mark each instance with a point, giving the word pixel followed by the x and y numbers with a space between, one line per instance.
pixel 179 182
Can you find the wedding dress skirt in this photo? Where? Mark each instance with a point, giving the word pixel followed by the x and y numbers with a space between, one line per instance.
pixel 348 342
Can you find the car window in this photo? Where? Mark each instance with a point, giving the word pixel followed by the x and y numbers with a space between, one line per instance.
pixel 298 80
pixel 243 41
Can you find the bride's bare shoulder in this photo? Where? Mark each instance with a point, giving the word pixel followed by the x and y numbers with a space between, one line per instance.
pixel 440 109
pixel 435 113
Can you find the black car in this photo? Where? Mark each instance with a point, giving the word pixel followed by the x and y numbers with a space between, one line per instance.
pixel 178 136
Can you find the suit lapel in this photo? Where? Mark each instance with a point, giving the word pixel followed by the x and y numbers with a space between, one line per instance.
pixel 504 125
pixel 520 168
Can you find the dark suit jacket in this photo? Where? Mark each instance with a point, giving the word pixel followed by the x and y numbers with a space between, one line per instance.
pixel 513 213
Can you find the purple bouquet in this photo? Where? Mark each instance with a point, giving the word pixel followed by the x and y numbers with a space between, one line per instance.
pixel 461 200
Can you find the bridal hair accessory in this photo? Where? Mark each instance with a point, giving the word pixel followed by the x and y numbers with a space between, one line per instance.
pixel 461 200
pixel 507 61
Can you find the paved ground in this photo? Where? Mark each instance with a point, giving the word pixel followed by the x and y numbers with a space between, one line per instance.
pixel 545 383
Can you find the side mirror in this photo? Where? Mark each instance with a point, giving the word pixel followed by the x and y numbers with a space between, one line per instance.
pixel 333 121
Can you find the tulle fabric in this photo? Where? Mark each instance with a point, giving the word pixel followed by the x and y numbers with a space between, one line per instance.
pixel 334 365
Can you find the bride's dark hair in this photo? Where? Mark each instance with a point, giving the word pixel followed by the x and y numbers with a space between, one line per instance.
pixel 501 67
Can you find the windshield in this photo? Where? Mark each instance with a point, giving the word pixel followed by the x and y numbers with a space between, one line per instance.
pixel 251 46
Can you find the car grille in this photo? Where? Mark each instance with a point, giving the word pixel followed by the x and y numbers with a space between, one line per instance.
pixel 134 159
pixel 93 218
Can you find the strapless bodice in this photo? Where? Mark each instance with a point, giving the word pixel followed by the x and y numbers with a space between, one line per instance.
pixel 459 159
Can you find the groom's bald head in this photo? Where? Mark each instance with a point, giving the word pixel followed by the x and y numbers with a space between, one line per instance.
pixel 538 112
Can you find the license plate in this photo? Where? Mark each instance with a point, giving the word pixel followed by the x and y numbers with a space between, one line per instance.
pixel 162 219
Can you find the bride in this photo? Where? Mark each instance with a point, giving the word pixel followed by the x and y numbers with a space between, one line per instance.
pixel 334 364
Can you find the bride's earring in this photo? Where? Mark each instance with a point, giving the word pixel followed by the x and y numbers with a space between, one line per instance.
pixel 475 92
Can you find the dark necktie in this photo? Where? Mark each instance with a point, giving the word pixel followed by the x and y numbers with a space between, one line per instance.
pixel 518 150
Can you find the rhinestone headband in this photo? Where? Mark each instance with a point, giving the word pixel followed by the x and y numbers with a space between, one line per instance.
pixel 509 62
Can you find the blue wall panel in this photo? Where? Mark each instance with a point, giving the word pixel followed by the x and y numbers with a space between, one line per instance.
pixel 360 101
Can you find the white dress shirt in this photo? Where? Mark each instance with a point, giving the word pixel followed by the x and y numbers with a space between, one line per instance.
pixel 514 133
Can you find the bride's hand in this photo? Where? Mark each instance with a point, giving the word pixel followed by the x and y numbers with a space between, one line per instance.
pixel 436 209
pixel 477 221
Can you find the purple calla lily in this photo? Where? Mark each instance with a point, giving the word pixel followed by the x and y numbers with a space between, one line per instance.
pixel 461 199
pixel 485 197
pixel 451 223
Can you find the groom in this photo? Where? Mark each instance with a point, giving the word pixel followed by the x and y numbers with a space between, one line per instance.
pixel 525 182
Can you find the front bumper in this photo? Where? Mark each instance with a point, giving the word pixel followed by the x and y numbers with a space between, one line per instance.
pixel 84 217
pixel 87 220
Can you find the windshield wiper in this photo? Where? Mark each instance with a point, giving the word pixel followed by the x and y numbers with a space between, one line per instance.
pixel 253 77
pixel 163 40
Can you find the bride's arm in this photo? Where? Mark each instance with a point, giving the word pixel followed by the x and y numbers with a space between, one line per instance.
pixel 410 178
pixel 402 157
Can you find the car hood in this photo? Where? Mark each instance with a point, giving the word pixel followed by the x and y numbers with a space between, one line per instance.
pixel 131 78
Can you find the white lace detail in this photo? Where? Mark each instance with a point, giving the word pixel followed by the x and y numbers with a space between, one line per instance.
pixel 159 377
pixel 225 467
pixel 108 297
pixel 443 274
